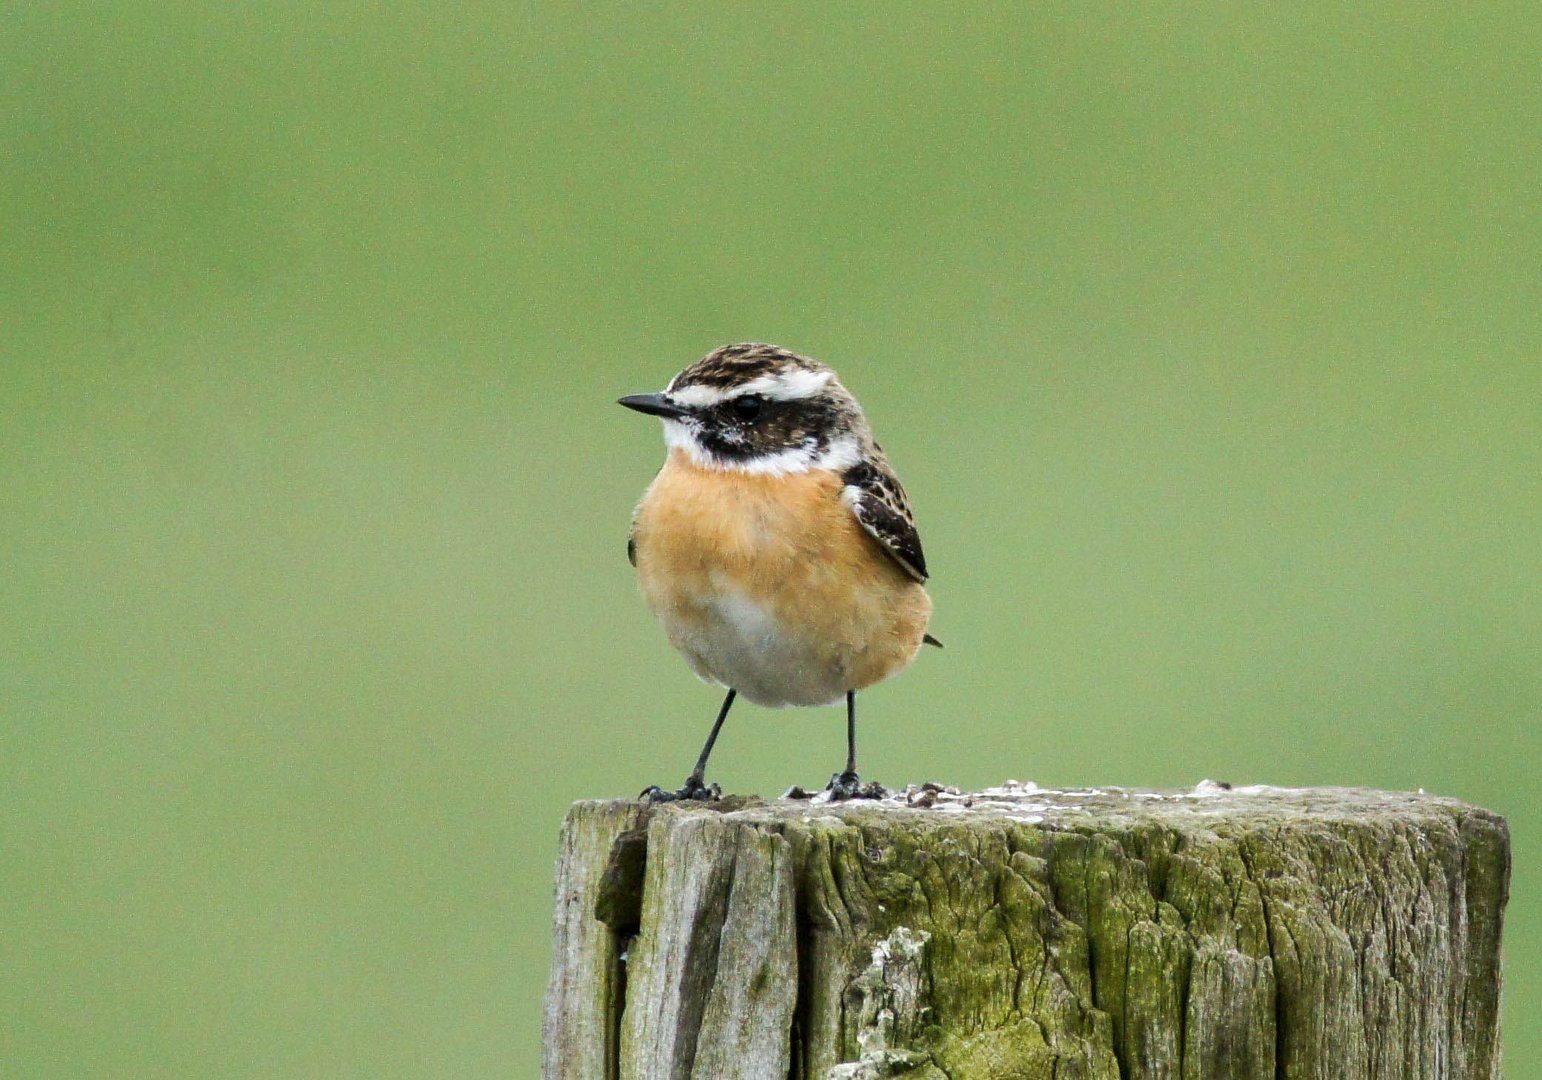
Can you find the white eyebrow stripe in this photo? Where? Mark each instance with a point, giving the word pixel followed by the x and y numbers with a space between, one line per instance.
pixel 696 396
pixel 793 385
pixel 790 386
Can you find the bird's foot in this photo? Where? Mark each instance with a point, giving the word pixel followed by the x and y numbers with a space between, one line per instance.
pixel 693 791
pixel 848 785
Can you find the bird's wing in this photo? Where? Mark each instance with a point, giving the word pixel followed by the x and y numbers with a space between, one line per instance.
pixel 875 495
pixel 631 543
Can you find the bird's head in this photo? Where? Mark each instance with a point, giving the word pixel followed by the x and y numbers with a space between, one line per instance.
pixel 759 409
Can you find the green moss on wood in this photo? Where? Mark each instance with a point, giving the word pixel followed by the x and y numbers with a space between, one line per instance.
pixel 1113 935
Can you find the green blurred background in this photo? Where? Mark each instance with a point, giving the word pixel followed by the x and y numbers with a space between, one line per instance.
pixel 1206 338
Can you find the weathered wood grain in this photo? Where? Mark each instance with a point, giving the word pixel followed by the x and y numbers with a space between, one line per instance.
pixel 1018 933
pixel 580 1025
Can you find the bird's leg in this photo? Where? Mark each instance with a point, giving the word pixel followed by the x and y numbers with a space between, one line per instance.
pixel 695 787
pixel 848 785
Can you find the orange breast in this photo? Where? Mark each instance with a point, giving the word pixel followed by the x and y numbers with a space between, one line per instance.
pixel 770 585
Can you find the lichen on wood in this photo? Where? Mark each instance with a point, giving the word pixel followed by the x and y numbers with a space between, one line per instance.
pixel 1017 933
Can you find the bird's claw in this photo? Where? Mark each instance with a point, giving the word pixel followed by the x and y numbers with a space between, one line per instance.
pixel 692 791
pixel 848 785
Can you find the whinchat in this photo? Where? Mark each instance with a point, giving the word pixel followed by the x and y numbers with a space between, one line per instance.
pixel 776 545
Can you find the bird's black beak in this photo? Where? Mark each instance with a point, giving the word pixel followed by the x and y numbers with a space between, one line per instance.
pixel 653 405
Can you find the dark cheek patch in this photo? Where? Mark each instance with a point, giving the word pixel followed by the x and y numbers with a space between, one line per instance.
pixel 811 424
pixel 786 426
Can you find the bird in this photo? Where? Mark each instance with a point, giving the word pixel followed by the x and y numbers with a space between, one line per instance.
pixel 776 546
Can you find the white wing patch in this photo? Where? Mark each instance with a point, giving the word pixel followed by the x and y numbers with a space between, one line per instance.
pixel 876 498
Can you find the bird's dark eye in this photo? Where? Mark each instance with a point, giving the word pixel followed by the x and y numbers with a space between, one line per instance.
pixel 747 407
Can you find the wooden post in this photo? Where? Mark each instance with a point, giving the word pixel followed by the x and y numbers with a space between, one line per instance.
pixel 1019 933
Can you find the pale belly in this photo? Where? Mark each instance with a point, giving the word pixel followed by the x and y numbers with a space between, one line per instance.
pixel 771 587
pixel 731 640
